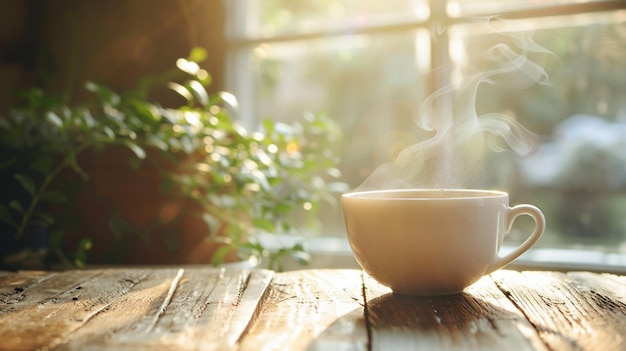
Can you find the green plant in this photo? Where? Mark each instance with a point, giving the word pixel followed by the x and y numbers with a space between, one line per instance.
pixel 245 182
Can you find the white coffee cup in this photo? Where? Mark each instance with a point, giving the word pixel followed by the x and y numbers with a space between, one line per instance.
pixel 430 241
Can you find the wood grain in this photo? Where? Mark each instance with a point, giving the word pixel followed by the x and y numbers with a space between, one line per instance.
pixel 161 309
pixel 52 310
pixel 12 286
pixel 205 308
pixel 310 309
pixel 481 318
pixel 576 311
pixel 190 309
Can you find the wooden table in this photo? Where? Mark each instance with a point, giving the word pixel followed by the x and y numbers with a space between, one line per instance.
pixel 204 308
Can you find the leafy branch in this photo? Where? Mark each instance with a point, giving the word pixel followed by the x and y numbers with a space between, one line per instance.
pixel 244 182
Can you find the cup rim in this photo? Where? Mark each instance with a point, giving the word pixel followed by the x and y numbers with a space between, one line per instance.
pixel 456 194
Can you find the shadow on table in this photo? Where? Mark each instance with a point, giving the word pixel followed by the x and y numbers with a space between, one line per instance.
pixel 458 322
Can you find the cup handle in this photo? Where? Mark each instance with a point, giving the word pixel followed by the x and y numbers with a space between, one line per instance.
pixel 540 226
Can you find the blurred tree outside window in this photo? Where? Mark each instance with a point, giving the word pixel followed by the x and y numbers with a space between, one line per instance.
pixel 370 65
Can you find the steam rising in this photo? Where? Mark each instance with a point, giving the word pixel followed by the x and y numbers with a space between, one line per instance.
pixel 451 156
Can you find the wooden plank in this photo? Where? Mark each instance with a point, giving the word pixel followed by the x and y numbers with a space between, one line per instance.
pixel 44 323
pixel 619 278
pixel 216 318
pixel 310 310
pixel 33 288
pixel 481 318
pixel 570 312
pixel 135 308
pixel 12 284
pixel 509 323
pixel 607 287
pixel 190 309
pixel 204 308
pixel 20 279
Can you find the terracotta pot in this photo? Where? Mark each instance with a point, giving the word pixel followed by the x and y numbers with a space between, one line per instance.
pixel 154 226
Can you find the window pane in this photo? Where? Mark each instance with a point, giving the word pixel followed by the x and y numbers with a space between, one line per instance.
pixel 370 84
pixel 265 18
pixel 578 174
pixel 374 85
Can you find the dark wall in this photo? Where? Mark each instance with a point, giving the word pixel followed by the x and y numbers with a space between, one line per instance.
pixel 13 33
pixel 60 44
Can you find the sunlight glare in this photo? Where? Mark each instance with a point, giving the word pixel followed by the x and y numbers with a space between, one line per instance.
pixel 229 99
pixel 457 49
pixel 260 51
pixel 203 74
pixel 337 9
pixel 292 148
pixel 193 118
pixel 421 10
pixel 453 9
pixel 215 110
pixel 422 50
pixel 203 167
pixel 187 66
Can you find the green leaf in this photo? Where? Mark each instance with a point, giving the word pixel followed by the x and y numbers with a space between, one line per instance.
pixel 268 126
pixel 198 92
pixel 157 142
pixel 254 248
pixel 54 196
pixel 197 54
pixel 259 178
pixel 16 205
pixel 106 95
pixel 85 244
pixel 211 222
pixel 43 219
pixel 42 164
pixel 301 256
pixel 220 254
pixel 136 149
pixel 204 77
pixel 265 224
pixel 150 111
pixel 80 256
pixel 276 262
pixel 73 164
pixel 118 227
pixel 109 132
pixel 54 119
pixel 86 120
pixel 187 144
pixel 182 90
pixel 229 98
pixel 27 182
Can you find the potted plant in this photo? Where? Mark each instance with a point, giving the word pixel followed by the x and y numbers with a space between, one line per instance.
pixel 121 168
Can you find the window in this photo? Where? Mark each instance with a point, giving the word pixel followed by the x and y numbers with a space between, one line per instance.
pixel 372 65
